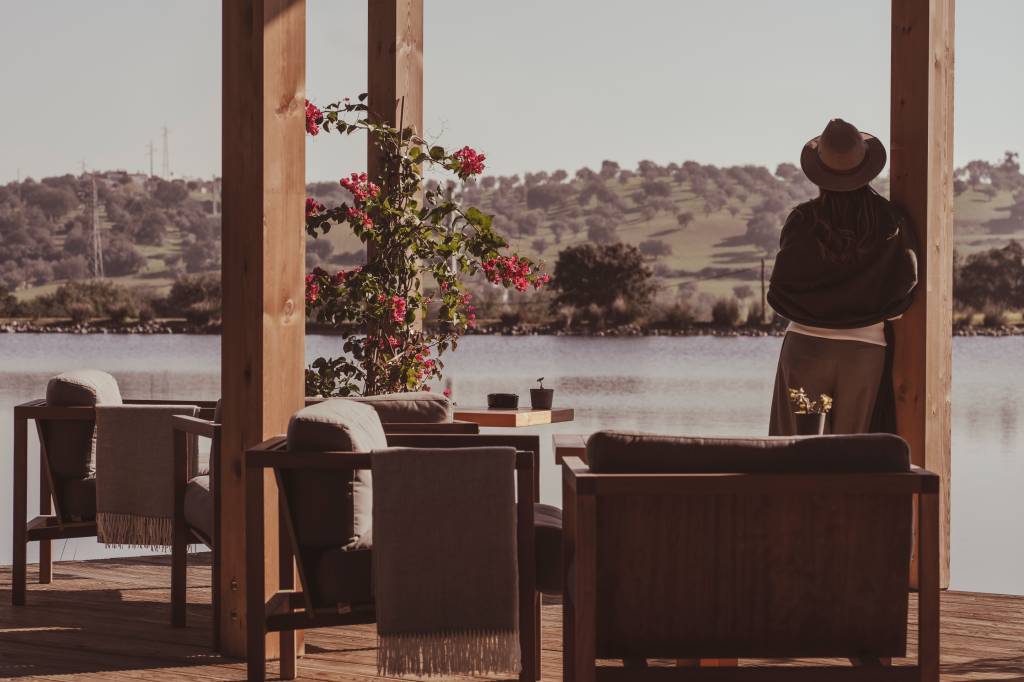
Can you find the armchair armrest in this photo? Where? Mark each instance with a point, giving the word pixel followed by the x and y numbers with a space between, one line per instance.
pixel 195 426
pixel 432 427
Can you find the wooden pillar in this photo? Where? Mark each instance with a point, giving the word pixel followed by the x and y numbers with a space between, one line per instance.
pixel 262 357
pixel 395 70
pixel 921 167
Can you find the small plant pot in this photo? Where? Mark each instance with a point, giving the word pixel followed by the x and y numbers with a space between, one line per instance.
pixel 810 424
pixel 502 401
pixel 541 398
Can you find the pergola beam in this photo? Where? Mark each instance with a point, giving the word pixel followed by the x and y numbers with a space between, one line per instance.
pixel 921 171
pixel 262 347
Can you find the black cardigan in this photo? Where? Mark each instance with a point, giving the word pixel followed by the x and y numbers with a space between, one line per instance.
pixel 809 289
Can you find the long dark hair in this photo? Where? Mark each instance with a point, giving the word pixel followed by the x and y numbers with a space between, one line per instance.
pixel 849 225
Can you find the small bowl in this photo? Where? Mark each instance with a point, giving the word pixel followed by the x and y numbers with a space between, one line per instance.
pixel 502 401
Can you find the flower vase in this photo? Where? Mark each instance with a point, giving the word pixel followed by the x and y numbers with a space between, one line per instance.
pixel 810 424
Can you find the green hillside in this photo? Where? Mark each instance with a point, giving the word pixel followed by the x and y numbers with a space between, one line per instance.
pixel 703 227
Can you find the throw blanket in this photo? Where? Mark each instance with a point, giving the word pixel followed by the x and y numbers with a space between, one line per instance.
pixel 134 474
pixel 444 561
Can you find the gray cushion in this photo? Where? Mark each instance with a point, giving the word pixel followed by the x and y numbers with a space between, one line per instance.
pixel 417 406
pixel 333 508
pixel 622 451
pixel 199 505
pixel 70 445
pixel 547 528
pixel 340 576
pixel 77 499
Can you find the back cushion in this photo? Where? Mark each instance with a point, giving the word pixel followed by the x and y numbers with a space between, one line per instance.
pixel 333 508
pixel 622 451
pixel 70 445
pixel 418 406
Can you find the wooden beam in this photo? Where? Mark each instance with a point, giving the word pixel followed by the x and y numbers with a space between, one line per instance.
pixel 395 68
pixel 921 167
pixel 262 358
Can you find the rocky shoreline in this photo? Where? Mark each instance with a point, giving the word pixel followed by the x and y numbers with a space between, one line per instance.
pixel 186 327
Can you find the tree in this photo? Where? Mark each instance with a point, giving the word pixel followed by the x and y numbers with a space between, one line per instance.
pixel 991 278
pixel 743 291
pixel 545 196
pixel 609 169
pixel 170 193
pixel 655 248
pixel 52 201
pixel 726 312
pixel 539 244
pixel 201 257
pixel 152 228
pixel 72 267
pixel 120 257
pixel 559 176
pixel 656 188
pixel 684 219
pixel 599 275
pixel 195 297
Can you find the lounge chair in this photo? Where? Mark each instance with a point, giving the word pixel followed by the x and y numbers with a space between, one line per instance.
pixel 689 548
pixel 328 450
pixel 66 425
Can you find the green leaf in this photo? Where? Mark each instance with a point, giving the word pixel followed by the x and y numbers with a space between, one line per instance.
pixel 479 218
pixel 363 96
pixel 437 153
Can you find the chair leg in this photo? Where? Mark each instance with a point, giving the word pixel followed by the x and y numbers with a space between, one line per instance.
pixel 45 550
pixel 179 573
pixel 288 655
pixel 536 633
pixel 20 494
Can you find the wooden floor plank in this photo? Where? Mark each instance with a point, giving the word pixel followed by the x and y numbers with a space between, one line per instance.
pixel 109 620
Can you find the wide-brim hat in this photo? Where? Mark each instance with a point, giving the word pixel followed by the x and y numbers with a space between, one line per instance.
pixel 842 158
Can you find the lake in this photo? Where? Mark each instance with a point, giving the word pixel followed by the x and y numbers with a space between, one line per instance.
pixel 687 385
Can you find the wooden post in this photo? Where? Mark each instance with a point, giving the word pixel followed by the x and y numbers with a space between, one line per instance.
pixel 395 71
pixel 262 357
pixel 921 171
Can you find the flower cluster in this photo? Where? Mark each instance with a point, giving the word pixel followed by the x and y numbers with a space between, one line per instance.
pixel 314 207
pixel 398 309
pixel 802 404
pixel 312 290
pixel 513 271
pixel 360 187
pixel 467 162
pixel 357 216
pixel 314 117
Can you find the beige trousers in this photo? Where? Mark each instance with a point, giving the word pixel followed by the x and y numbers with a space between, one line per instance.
pixel 849 371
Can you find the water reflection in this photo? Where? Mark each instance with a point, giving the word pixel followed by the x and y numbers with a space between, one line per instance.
pixel 677 386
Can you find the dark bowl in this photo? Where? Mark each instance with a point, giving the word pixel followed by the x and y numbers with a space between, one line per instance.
pixel 502 401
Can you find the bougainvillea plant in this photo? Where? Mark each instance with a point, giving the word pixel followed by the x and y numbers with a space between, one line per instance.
pixel 398 314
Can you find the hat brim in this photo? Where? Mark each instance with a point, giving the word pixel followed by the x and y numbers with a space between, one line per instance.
pixel 838 181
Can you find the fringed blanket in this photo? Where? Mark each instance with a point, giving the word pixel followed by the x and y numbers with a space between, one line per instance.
pixel 134 474
pixel 444 561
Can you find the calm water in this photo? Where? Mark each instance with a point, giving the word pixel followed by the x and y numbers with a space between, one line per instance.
pixel 670 385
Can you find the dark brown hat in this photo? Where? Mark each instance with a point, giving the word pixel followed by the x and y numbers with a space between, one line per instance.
pixel 842 158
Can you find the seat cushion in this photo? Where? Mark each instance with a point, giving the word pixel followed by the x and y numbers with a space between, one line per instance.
pixel 420 407
pixel 333 508
pixel 71 444
pixel 77 498
pixel 339 576
pixel 199 505
pixel 547 523
pixel 631 452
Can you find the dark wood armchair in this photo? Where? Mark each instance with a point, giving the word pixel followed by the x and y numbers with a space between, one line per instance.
pixel 730 549
pixel 67 490
pixel 292 609
pixel 196 498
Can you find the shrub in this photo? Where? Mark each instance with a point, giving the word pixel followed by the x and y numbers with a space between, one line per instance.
pixel 726 312
pixel 995 316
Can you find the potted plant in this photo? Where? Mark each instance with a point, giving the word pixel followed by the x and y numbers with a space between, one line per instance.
pixel 810 414
pixel 541 398
pixel 401 311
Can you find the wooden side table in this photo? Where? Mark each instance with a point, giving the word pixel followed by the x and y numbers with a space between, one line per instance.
pixel 523 416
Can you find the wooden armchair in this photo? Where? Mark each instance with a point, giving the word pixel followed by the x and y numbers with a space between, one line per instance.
pixel 65 422
pixel 334 568
pixel 196 492
pixel 776 548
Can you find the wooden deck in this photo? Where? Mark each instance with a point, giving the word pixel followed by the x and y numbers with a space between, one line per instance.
pixel 109 620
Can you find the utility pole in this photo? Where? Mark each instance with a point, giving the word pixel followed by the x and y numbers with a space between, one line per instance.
pixel 150 149
pixel 764 295
pixel 97 241
pixel 165 164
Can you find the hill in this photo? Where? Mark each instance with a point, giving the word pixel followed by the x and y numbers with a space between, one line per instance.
pixel 702 227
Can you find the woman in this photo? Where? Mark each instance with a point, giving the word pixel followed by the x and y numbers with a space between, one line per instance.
pixel 846 266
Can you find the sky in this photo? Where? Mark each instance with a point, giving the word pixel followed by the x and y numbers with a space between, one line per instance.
pixel 534 84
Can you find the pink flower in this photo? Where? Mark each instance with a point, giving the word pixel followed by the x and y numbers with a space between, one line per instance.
pixel 360 187
pixel 468 162
pixel 357 216
pixel 398 308
pixel 447 392
pixel 314 207
pixel 314 117
pixel 339 277
pixel 312 289
pixel 512 271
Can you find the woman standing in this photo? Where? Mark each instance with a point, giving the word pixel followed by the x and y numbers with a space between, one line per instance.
pixel 846 266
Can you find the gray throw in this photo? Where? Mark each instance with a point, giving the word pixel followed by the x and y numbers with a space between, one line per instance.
pixel 134 474
pixel 444 561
